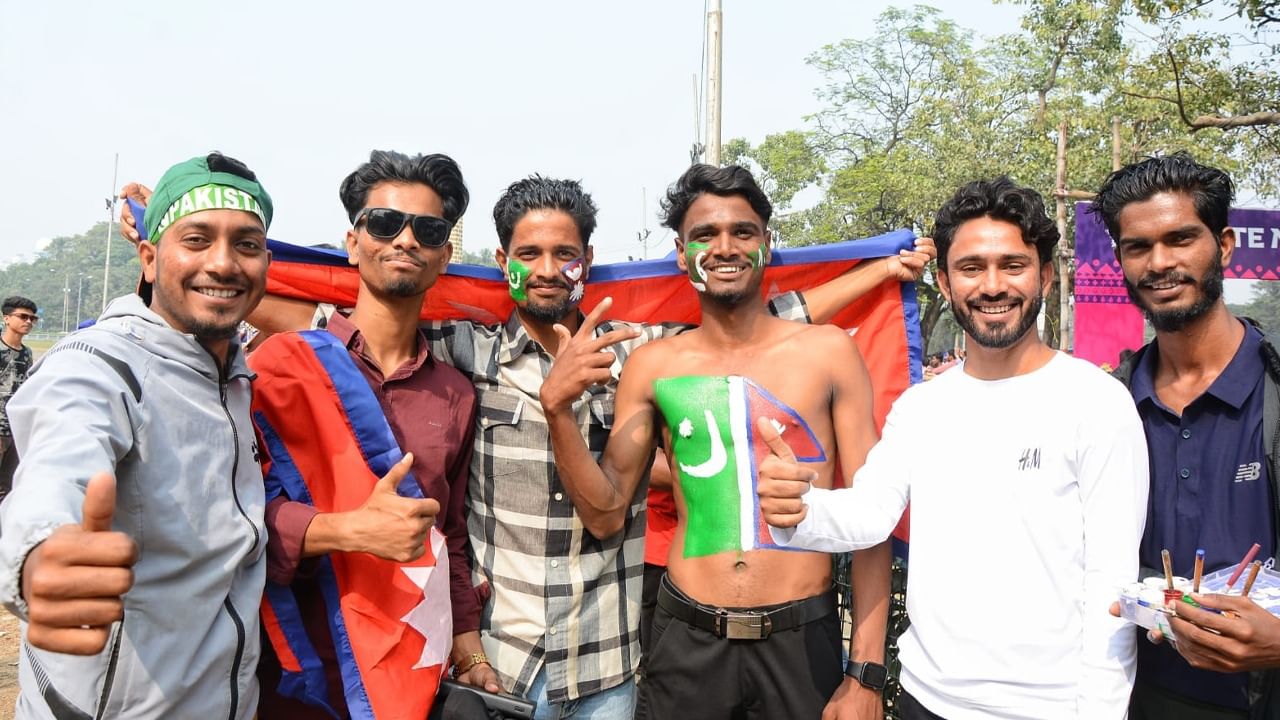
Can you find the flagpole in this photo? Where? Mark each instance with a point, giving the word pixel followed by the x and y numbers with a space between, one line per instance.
pixel 111 216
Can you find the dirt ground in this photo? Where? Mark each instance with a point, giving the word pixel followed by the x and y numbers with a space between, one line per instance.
pixel 10 638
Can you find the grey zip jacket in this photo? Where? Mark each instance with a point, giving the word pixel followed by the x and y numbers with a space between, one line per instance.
pixel 134 396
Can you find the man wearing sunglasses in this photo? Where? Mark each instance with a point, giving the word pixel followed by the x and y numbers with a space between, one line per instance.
pixel 402 209
pixel 20 318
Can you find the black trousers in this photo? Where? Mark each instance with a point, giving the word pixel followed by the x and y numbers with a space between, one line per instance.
pixel 910 709
pixel 691 673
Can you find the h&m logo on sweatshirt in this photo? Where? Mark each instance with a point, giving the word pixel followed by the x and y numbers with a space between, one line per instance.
pixel 1030 459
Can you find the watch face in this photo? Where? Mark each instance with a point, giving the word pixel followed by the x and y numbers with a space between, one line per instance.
pixel 874 676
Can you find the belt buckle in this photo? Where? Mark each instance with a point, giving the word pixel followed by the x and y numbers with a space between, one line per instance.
pixel 743 626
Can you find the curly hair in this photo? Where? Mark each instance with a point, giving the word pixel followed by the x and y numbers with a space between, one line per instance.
pixel 999 199
pixel 722 181
pixel 543 193
pixel 1211 190
pixel 436 171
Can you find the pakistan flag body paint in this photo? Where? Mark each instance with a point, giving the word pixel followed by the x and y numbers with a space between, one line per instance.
pixel 715 445
pixel 517 278
pixel 694 252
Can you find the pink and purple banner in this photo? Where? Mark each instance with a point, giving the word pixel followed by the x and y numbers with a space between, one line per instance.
pixel 1105 321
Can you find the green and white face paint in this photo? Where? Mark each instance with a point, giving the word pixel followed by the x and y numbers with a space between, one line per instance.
pixel 517 279
pixel 757 258
pixel 694 253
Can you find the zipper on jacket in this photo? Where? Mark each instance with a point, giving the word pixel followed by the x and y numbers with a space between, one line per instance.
pixel 110 678
pixel 235 666
pixel 231 610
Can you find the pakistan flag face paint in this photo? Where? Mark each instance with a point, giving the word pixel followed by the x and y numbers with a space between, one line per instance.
pixel 694 253
pixel 757 258
pixel 517 278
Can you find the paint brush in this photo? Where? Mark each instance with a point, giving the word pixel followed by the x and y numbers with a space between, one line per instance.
pixel 1253 575
pixel 1168 567
pixel 1248 558
pixel 1195 579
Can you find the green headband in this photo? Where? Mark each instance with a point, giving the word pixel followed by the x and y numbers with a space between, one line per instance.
pixel 191 187
pixel 209 197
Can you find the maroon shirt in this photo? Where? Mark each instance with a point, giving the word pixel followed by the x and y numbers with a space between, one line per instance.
pixel 431 409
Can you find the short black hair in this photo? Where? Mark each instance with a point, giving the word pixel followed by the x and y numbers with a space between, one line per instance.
pixel 999 199
pixel 543 193
pixel 14 302
pixel 1211 189
pixel 722 181
pixel 437 171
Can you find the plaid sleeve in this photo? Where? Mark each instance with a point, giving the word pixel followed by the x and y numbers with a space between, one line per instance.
pixel 790 306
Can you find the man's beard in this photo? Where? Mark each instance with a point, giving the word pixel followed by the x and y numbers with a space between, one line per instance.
pixel 1175 319
pixel 551 312
pixel 1000 337
pixel 402 288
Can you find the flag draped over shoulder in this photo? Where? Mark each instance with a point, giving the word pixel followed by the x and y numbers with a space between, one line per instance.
pixel 885 323
pixel 327 443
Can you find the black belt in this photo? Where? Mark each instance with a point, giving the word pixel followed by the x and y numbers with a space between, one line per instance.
pixel 744 624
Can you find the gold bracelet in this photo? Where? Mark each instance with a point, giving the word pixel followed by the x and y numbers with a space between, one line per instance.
pixel 472 660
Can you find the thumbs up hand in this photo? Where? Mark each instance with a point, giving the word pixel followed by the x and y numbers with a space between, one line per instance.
pixel 75 580
pixel 782 481
pixel 388 525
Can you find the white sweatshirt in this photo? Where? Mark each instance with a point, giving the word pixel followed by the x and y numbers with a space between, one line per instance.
pixel 1028 500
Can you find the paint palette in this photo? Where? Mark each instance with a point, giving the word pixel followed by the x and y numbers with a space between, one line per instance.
pixel 1142 603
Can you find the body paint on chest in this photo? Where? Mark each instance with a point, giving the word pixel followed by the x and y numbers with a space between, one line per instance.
pixel 517 278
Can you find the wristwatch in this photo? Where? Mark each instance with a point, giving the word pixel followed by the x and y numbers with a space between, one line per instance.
pixel 869 674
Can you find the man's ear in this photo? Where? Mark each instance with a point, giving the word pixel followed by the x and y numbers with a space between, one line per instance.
pixel 500 257
pixel 680 260
pixel 768 246
pixel 1227 245
pixel 351 243
pixel 147 258
pixel 1047 273
pixel 588 258
pixel 944 285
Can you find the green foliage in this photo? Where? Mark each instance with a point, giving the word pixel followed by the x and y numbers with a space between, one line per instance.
pixel 1263 306
pixel 471 258
pixel 919 107
pixel 76 264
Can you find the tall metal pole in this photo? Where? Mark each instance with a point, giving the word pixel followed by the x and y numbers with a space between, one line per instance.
pixel 1115 142
pixel 66 299
pixel 1065 256
pixel 111 216
pixel 715 27
pixel 79 294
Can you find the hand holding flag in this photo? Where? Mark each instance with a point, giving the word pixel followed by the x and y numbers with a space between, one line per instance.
pixel 389 525
pixel 75 580
pixel 782 481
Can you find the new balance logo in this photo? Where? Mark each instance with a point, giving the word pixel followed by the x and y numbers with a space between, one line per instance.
pixel 1030 459
pixel 1249 471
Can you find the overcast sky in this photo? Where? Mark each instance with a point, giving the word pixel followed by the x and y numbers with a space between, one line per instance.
pixel 598 91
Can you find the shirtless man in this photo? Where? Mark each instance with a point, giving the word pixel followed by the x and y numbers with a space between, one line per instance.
pixel 704 391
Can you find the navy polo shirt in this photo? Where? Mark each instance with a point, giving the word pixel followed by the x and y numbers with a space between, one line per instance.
pixel 1211 489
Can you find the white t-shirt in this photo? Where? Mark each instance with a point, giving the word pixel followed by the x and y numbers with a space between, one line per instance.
pixel 1028 500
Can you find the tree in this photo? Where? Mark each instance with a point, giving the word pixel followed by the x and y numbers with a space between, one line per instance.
pixel 921 106
pixel 74 263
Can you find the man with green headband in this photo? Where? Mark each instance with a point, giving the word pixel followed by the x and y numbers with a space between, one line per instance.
pixel 133 545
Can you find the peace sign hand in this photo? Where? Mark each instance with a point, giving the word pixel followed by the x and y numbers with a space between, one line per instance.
pixel 581 360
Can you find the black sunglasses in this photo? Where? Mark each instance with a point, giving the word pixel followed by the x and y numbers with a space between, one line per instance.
pixel 386 224
pixel 28 318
